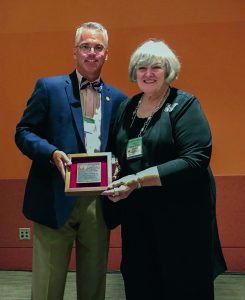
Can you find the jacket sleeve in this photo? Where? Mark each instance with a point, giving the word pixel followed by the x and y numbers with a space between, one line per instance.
pixel 31 135
pixel 113 211
pixel 115 125
pixel 192 143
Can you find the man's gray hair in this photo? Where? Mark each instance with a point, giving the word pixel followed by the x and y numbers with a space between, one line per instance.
pixel 91 25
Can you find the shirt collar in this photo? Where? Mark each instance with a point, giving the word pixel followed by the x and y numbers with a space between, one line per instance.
pixel 79 77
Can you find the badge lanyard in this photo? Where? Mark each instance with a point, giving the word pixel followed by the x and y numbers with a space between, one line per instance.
pixel 134 146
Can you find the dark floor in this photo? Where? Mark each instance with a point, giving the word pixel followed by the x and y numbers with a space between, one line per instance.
pixel 16 285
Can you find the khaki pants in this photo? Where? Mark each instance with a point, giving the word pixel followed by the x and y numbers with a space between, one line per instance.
pixel 52 251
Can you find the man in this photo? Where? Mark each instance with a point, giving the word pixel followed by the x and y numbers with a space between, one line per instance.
pixel 57 121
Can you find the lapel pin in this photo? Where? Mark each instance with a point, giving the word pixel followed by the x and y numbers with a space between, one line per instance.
pixel 107 98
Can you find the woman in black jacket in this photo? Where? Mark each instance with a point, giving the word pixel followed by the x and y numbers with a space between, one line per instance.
pixel 164 198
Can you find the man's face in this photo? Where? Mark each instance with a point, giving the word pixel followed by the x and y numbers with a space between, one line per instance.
pixel 90 53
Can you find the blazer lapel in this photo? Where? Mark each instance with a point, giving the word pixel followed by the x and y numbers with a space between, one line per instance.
pixel 106 107
pixel 72 92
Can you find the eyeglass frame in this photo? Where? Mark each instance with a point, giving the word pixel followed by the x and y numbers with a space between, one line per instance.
pixel 85 48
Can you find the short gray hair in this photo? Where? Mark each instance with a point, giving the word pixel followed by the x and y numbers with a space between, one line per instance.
pixel 151 51
pixel 91 25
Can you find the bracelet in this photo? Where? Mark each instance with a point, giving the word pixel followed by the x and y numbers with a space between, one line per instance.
pixel 138 181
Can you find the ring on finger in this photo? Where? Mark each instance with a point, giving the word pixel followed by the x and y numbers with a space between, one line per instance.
pixel 115 192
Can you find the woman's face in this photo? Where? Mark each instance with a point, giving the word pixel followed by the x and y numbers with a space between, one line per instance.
pixel 151 78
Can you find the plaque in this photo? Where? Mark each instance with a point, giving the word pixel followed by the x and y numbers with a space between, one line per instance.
pixel 88 174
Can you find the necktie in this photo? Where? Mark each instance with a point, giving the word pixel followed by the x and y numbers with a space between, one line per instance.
pixel 96 85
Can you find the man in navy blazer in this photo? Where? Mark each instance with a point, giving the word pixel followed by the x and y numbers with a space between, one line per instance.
pixel 55 123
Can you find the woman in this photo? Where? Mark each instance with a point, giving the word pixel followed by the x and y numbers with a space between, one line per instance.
pixel 165 197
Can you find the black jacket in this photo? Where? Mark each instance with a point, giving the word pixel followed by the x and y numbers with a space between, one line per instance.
pixel 178 141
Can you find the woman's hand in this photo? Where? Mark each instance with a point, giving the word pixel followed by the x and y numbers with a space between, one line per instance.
pixel 122 188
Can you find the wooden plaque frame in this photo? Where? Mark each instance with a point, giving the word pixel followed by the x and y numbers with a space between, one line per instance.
pixel 72 188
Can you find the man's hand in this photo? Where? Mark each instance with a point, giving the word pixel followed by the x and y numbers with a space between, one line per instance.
pixel 61 160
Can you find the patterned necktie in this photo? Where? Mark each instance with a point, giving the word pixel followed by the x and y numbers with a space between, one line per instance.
pixel 96 85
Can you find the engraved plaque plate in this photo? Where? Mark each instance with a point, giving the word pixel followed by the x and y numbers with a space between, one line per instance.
pixel 89 172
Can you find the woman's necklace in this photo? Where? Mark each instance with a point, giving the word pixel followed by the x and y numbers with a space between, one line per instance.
pixel 148 120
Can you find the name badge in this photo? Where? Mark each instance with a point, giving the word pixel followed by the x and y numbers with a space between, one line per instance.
pixel 89 125
pixel 134 148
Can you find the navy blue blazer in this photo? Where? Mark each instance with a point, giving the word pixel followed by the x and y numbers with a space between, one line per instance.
pixel 53 120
